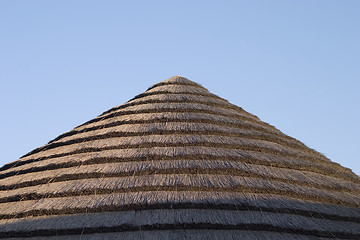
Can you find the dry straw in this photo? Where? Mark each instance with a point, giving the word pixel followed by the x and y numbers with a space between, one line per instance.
pixel 177 162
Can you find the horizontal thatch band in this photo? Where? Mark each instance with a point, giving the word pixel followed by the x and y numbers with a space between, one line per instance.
pixel 102 133
pixel 190 98
pixel 118 134
pixel 150 94
pixel 198 111
pixel 176 117
pixel 68 177
pixel 185 205
pixel 190 102
pixel 134 201
pixel 252 160
pixel 135 167
pixel 179 182
pixel 178 109
pixel 76 173
pixel 238 130
pixel 144 145
pixel 67 162
pixel 172 219
pixel 165 139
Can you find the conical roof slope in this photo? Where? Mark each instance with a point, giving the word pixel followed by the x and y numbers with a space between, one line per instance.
pixel 177 162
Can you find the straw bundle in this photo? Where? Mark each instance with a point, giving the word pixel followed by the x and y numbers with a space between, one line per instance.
pixel 177 162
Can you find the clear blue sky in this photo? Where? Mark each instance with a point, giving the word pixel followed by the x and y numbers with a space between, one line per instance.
pixel 295 64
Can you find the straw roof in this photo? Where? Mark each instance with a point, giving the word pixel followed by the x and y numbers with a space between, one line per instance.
pixel 177 162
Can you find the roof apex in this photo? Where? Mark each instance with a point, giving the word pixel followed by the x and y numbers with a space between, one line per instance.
pixel 176 80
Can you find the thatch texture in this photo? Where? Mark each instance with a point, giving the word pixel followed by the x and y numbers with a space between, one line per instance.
pixel 177 162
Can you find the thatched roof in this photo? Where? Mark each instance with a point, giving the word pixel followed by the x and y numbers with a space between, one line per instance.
pixel 177 162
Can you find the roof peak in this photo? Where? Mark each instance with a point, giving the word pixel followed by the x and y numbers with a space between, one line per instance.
pixel 176 80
